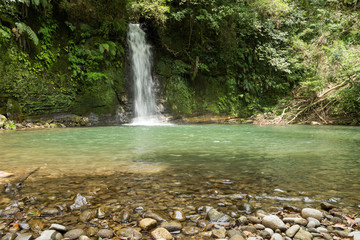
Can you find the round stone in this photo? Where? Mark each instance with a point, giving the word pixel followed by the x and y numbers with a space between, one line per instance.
pixel 160 234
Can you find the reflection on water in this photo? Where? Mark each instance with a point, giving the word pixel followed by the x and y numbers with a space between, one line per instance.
pixel 304 162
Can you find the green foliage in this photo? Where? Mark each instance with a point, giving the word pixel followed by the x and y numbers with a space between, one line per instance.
pixel 155 10
pixel 26 30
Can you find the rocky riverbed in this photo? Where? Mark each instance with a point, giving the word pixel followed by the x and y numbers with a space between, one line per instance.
pixel 163 206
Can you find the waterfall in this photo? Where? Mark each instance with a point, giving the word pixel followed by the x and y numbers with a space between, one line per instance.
pixel 145 109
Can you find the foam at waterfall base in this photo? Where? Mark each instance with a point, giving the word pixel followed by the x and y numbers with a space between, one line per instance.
pixel 149 121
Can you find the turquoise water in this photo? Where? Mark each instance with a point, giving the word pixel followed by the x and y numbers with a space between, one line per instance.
pixel 310 163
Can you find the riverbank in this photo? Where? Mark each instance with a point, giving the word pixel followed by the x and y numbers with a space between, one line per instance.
pixel 127 205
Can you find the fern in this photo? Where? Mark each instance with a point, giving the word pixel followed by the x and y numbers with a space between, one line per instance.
pixel 23 28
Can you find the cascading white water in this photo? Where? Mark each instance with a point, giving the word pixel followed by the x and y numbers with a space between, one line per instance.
pixel 145 108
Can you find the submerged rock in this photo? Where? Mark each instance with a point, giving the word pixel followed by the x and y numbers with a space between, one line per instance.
pixel 80 202
pixel 216 216
pixel 171 226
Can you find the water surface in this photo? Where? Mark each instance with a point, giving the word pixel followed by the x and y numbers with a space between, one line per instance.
pixel 297 164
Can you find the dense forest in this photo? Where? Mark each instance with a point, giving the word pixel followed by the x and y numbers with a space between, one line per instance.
pixel 288 60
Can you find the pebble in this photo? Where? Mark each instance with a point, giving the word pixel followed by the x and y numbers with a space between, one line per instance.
pixel 355 235
pixel 190 230
pixel 326 206
pixel 24 236
pixel 265 234
pixel 315 221
pixel 8 236
pixel 147 223
pixel 292 230
pixel 132 233
pixel 49 212
pixel 171 226
pixel 242 220
pixel 86 215
pixel 274 222
pixel 9 212
pixel 47 235
pixel 160 217
pixel 105 233
pixel 74 234
pixel 83 237
pixel 58 227
pixel 219 233
pixel 303 235
pixel 269 230
pixel 311 212
pixel 178 215
pixel 237 237
pixel 24 226
pixel 300 221
pixel 276 236
pixel 161 234
pixel 254 220
pixel 216 216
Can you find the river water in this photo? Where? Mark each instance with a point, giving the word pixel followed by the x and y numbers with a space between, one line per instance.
pixel 297 165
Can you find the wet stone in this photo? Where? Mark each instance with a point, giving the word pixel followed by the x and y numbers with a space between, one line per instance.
pixel 74 234
pixel 122 217
pixel 47 235
pixel 219 233
pixel 160 217
pixel 172 226
pixel 216 216
pixel 9 212
pixel 86 215
pixel 132 233
pixel 49 212
pixel 24 236
pixel 147 223
pixel 237 237
pixel 326 206
pixel 178 215
pixel 8 236
pixel 36 225
pixel 160 234
pixel 58 227
pixel 105 233
pixel 232 233
pixel 190 230
pixel 24 226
